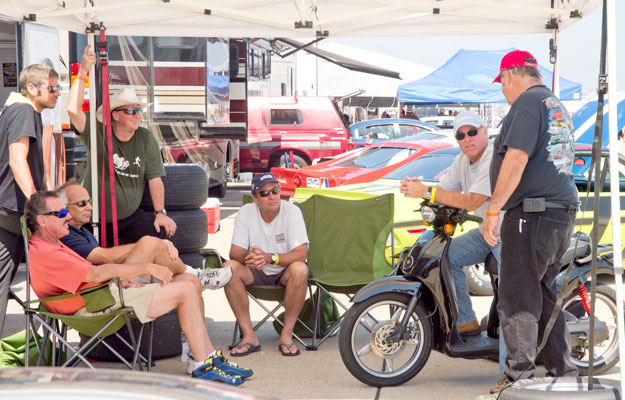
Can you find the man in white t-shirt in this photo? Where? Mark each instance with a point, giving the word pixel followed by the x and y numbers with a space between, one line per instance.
pixel 269 247
pixel 465 185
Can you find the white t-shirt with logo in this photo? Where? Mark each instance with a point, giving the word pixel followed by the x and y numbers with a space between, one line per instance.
pixel 286 232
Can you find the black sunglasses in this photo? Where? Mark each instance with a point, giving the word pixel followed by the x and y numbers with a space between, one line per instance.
pixel 471 132
pixel 265 193
pixel 130 110
pixel 51 88
pixel 60 214
pixel 82 203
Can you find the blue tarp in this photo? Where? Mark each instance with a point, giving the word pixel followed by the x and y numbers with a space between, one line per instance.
pixel 584 122
pixel 467 78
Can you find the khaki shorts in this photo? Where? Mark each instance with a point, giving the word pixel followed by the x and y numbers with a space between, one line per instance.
pixel 137 298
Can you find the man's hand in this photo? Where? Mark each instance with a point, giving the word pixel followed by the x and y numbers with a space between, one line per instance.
pixel 89 58
pixel 161 273
pixel 412 187
pixel 167 223
pixel 489 230
pixel 255 259
pixel 171 249
pixel 129 282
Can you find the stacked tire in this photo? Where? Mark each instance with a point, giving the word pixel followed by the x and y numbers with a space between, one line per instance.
pixel 186 190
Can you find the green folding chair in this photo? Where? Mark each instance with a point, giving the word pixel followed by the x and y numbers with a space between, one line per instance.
pixel 348 239
pixel 54 326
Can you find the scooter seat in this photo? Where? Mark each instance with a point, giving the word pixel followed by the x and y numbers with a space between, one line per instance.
pixel 574 252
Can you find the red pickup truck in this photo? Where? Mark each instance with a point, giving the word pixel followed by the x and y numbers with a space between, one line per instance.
pixel 309 127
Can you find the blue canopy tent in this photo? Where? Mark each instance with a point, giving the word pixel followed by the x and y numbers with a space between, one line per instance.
pixel 584 122
pixel 467 78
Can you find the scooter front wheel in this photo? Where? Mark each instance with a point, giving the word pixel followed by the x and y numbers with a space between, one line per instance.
pixel 365 345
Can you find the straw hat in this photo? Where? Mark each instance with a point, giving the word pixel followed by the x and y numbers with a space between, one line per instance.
pixel 123 97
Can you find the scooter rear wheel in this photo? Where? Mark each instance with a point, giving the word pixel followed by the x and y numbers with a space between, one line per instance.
pixel 364 346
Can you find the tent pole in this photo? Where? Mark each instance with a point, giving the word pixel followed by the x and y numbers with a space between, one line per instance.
pixel 93 152
pixel 555 84
pixel 614 180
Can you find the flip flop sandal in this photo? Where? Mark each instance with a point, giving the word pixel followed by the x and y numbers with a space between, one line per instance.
pixel 282 346
pixel 250 349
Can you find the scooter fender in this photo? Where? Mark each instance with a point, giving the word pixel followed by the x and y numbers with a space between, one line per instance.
pixel 581 273
pixel 389 284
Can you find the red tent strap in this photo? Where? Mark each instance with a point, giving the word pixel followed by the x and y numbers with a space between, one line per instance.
pixel 108 142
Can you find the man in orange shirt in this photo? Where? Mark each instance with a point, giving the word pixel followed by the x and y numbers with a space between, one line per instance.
pixel 55 269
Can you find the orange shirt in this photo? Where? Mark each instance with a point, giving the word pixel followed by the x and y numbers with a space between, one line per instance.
pixel 56 269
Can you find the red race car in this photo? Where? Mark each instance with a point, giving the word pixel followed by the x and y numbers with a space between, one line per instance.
pixel 361 165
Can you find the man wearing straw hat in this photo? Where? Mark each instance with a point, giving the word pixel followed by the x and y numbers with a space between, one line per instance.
pixel 136 159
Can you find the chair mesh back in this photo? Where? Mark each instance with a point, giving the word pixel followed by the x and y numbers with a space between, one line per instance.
pixel 348 238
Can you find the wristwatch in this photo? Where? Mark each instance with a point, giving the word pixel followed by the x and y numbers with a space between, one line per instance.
pixel 274 258
pixel 163 211
pixel 428 194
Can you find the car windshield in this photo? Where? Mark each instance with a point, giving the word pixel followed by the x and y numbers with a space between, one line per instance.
pixel 581 169
pixel 427 168
pixel 377 157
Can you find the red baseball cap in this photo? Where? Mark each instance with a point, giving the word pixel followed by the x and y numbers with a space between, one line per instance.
pixel 516 58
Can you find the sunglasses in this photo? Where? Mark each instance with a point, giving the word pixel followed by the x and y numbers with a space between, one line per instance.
pixel 130 110
pixel 471 132
pixel 82 203
pixel 265 193
pixel 51 88
pixel 60 214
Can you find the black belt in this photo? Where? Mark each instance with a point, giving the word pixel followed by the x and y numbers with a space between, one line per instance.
pixel 571 209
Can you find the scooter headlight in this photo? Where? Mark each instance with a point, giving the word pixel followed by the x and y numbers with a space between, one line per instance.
pixel 428 214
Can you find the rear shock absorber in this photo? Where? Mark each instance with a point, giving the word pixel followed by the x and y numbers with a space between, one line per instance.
pixel 583 294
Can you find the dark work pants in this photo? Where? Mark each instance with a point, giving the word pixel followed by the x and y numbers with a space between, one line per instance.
pixel 11 251
pixel 134 227
pixel 532 244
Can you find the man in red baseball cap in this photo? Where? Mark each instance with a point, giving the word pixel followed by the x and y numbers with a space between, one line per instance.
pixel 531 174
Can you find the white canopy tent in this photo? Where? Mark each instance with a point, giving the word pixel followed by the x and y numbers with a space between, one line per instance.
pixel 337 18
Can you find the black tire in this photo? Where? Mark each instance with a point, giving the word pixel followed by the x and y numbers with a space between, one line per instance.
pixel 605 353
pixel 192 231
pixel 357 333
pixel 561 388
pixel 478 280
pixel 218 191
pixel 193 259
pixel 186 188
pixel 299 162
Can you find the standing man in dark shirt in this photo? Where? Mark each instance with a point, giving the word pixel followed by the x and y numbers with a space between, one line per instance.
pixel 21 163
pixel 531 173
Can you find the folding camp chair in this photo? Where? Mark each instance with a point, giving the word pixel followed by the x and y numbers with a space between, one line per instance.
pixel 98 327
pixel 348 239
pixel 256 293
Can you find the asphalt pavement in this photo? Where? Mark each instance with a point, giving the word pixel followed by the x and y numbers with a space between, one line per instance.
pixel 314 374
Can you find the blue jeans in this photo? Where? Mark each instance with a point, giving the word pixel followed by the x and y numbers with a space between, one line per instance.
pixel 470 249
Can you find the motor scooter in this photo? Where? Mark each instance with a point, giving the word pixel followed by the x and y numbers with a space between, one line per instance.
pixel 387 336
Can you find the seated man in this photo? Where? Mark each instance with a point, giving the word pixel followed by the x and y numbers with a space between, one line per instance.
pixel 55 269
pixel 148 249
pixel 465 185
pixel 269 247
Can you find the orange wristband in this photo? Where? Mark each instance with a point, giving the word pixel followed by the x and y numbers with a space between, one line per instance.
pixel 82 78
pixel 492 214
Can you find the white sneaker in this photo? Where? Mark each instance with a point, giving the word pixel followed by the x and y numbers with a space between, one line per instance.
pixel 215 278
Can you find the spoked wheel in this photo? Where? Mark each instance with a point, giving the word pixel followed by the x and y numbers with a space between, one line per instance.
pixel 367 350
pixel 606 341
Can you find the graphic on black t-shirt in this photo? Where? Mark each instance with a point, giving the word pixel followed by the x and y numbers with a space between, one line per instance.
pixel 561 143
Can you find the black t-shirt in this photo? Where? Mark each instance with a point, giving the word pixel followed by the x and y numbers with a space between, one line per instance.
pixel 539 125
pixel 19 120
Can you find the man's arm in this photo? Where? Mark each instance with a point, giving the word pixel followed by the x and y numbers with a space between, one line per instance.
pixel 510 173
pixel 285 259
pixel 77 92
pixel 413 187
pixel 115 255
pixel 18 151
pixel 157 193
pixel 105 272
pixel 238 253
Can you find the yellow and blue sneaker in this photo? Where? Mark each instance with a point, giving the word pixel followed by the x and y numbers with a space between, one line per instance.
pixel 230 368
pixel 210 372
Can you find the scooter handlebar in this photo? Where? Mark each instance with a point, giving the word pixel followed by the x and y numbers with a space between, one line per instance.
pixel 474 218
